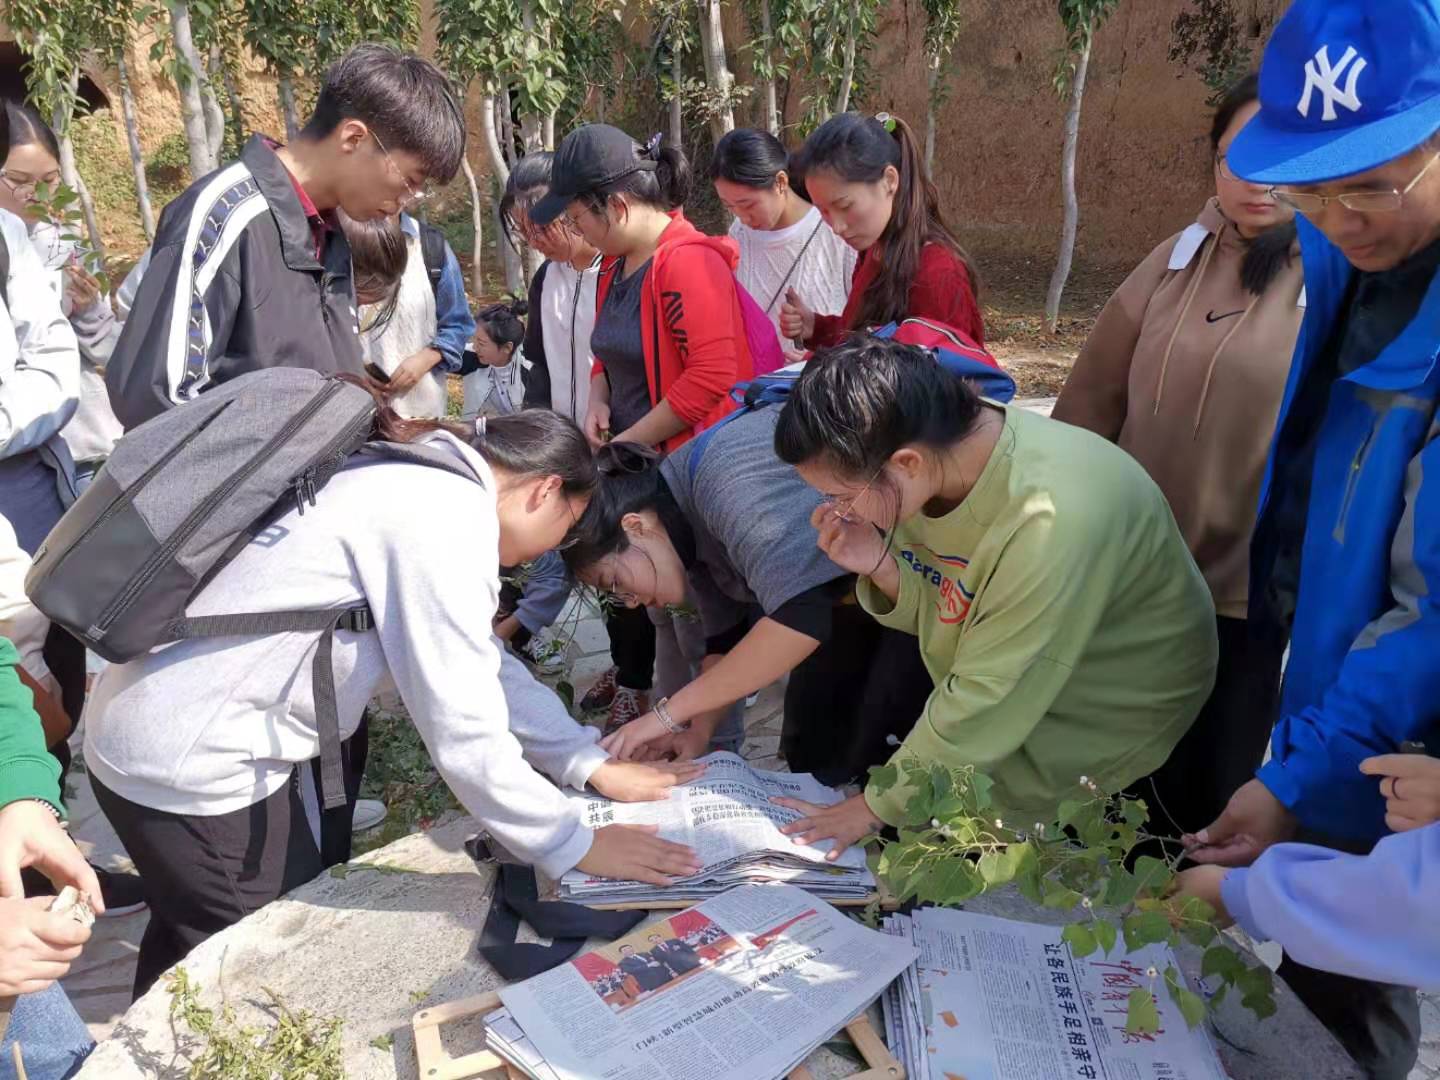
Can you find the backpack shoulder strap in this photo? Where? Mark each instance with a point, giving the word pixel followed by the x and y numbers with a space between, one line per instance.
pixel 432 249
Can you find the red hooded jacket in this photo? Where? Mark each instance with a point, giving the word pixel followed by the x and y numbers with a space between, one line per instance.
pixel 693 330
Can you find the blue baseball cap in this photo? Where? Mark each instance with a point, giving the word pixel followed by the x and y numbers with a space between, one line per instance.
pixel 1345 86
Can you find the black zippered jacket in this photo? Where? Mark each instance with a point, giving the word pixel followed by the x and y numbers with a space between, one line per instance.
pixel 233 285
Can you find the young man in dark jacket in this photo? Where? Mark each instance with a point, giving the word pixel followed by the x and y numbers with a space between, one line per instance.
pixel 249 269
pixel 1345 562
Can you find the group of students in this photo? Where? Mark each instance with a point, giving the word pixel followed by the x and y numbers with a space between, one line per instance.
pixel 1099 599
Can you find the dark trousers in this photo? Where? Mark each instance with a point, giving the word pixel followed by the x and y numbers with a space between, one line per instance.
pixel 861 686
pixel 510 596
pixel 1226 744
pixel 632 646
pixel 203 874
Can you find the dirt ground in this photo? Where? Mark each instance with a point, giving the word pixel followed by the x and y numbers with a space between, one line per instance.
pixel 1012 292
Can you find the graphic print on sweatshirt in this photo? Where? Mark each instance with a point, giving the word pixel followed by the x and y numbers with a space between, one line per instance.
pixel 941 572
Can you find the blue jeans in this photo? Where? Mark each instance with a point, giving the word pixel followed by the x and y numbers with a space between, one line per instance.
pixel 53 1040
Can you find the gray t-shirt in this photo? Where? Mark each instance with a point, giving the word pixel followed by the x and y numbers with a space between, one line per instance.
pixel 619 343
pixel 754 544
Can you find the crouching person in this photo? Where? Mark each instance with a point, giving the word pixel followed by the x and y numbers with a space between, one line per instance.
pixel 204 754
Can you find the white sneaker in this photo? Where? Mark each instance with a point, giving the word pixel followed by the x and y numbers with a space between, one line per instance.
pixel 368 814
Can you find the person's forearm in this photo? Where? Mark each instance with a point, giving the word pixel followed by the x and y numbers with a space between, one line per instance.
pixel 656 426
pixel 599 389
pixel 886 578
pixel 767 652
pixel 429 357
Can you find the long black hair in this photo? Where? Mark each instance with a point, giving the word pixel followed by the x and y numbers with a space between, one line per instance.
pixel 749 157
pixel 26 127
pixel 859 402
pixel 378 256
pixel 630 483
pixel 504 323
pixel 528 183
pixel 858 149
pixel 532 442
pixel 1272 250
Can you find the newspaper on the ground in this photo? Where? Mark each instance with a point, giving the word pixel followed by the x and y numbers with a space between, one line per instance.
pixel 996 999
pixel 728 817
pixel 742 987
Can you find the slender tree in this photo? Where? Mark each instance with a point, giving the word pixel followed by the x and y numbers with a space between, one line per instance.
pixel 189 74
pixel 111 36
pixel 277 31
pixel 1081 18
pixel 942 28
pixel 720 101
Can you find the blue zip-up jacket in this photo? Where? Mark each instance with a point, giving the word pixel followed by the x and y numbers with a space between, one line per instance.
pixel 1370 916
pixel 1364 670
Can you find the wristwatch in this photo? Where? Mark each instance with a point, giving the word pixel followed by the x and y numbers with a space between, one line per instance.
pixel 661 709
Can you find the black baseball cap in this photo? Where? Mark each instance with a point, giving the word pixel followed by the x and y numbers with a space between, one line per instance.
pixel 590 158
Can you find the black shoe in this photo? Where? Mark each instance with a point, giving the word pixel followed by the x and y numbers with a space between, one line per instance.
pixel 123 894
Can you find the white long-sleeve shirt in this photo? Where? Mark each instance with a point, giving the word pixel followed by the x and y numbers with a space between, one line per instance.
pixel 208 727
pixel 39 359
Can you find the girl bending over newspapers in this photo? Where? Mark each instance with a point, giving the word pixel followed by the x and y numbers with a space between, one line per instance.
pixel 204 754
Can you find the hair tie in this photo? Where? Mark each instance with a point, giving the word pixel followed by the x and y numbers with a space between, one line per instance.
pixel 652 147
pixel 886 121
pixel 480 427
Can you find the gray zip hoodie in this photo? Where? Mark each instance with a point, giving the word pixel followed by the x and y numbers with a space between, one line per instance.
pixel 207 727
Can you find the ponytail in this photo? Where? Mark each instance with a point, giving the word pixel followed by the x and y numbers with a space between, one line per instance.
pixel 664 187
pixel 531 443
pixel 749 157
pixel 629 483
pixel 858 149
pixel 504 322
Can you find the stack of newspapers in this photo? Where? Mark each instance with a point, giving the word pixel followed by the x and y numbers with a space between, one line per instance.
pixel 727 815
pixel 742 987
pixel 990 998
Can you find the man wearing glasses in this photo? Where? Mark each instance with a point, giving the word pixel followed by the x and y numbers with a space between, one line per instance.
pixel 1346 557
pixel 249 269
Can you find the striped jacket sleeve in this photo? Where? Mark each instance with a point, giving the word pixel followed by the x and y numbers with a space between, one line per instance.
pixel 176 335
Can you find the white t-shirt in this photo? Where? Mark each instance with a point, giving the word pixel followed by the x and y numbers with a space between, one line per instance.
pixel 821 278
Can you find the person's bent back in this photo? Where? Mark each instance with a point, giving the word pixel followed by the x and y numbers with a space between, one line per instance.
pixel 248 268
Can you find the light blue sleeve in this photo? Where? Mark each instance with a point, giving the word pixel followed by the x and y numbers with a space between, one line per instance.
pixel 454 325
pixel 547 587
pixel 1373 916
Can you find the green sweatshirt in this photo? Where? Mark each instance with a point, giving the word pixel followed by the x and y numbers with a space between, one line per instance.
pixel 27 769
pixel 1062 620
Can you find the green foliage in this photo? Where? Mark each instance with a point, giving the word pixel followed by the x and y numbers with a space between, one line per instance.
pixel 219 1047
pixel 401 774
pixel 1080 18
pixel 1210 36
pixel 954 844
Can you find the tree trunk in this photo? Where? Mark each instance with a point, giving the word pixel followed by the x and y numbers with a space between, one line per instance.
pixel 548 131
pixel 237 106
pixel 507 128
pixel 137 154
pixel 677 128
pixel 498 164
pixel 60 121
pixel 772 113
pixel 286 88
pixel 932 77
pixel 532 136
pixel 477 218
pixel 192 109
pixel 717 70
pixel 214 115
pixel 509 257
pixel 1067 182
pixel 847 76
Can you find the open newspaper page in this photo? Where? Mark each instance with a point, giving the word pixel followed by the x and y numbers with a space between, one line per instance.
pixel 728 817
pixel 997 999
pixel 742 987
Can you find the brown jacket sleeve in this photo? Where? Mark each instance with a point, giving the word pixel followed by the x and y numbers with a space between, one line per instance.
pixel 1096 394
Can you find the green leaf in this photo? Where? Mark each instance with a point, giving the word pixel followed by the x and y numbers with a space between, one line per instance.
pixel 1080 938
pixel 1192 1005
pixel 981 785
pixel 1146 928
pixel 1057 896
pixel 383 1042
pixel 995 869
pixel 1154 875
pixel 950 881
pixel 1105 934
pixel 1142 1017
pixel 1070 809
pixel 1121 888
pixel 1221 961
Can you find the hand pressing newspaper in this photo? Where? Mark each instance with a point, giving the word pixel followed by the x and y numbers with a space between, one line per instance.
pixel 742 987
pixel 729 818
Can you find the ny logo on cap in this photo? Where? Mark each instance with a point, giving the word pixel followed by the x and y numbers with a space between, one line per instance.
pixel 1319 75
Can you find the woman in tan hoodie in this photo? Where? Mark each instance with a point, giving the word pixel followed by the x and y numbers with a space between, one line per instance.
pixel 1185 369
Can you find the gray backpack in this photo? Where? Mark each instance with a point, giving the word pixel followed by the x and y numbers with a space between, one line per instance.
pixel 183 493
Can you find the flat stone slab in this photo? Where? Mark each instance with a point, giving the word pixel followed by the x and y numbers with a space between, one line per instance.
pixel 374 948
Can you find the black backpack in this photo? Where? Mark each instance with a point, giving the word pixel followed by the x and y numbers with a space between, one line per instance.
pixel 432 250
pixel 183 493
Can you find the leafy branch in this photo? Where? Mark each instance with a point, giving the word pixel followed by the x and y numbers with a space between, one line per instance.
pixel 954 845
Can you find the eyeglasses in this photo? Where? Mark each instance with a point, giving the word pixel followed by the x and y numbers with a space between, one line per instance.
pixel 842 505
pixel 1226 173
pixel 24 189
pixel 413 197
pixel 1364 202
